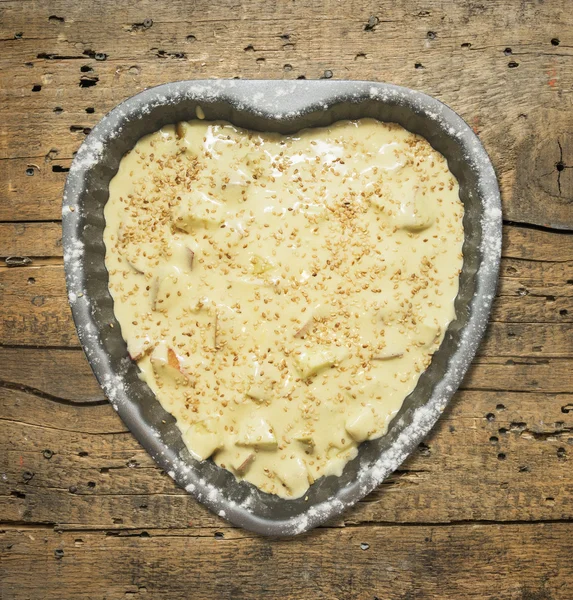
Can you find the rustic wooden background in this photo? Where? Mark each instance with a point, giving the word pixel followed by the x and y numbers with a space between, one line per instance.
pixel 485 507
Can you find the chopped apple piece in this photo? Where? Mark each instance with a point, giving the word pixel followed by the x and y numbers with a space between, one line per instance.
pixel 190 134
pixel 166 364
pixel 166 288
pixel 293 474
pixel 264 381
pixel 201 439
pixel 180 253
pixel 174 285
pixel 235 185
pixel 389 309
pixel 171 289
pixel 133 266
pixel 261 264
pixel 131 252
pixel 259 392
pixel 257 432
pixel 215 330
pixel 300 333
pixel 411 209
pixel 172 359
pixel 319 312
pixel 415 214
pixel 153 291
pixel 197 210
pixel 305 438
pixel 393 345
pixel 360 423
pixel 388 354
pixel 139 346
pixel 242 461
pixel 428 334
pixel 181 129
pixel 311 361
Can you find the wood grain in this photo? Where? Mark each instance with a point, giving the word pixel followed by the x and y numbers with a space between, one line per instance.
pixel 495 456
pixel 426 562
pixel 519 242
pixel 64 375
pixel 30 239
pixel 34 308
pixel 502 55
pixel 483 509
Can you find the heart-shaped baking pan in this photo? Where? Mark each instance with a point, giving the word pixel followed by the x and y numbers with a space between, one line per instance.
pixel 284 107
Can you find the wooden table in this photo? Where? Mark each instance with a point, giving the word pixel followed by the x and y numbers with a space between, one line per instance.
pixel 485 507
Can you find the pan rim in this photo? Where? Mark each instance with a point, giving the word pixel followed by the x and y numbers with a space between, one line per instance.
pixel 290 100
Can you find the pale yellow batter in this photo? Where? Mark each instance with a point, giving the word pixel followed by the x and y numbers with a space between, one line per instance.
pixel 282 294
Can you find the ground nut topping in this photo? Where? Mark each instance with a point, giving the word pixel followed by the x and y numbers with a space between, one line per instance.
pixel 283 294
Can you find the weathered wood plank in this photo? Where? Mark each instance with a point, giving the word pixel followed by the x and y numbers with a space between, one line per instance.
pixel 521 562
pixel 494 455
pixel 66 376
pixel 521 247
pixel 42 412
pixel 532 309
pixel 30 239
pixel 61 374
pixel 528 339
pixel 30 189
pixel 528 375
pixel 536 244
pixel 495 90
pixel 522 277
pixel 37 239
pixel 34 309
pixel 513 309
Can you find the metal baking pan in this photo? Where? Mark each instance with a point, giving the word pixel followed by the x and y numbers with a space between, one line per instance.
pixel 285 107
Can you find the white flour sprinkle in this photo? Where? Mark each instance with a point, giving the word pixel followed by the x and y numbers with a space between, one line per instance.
pixel 89 154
